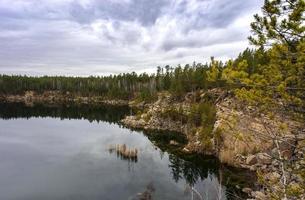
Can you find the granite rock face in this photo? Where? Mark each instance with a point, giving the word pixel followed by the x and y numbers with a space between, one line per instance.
pixel 241 138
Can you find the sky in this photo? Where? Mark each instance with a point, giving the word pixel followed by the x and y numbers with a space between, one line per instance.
pixel 102 37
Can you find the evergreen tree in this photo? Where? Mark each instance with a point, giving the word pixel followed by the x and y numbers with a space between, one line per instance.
pixel 282 23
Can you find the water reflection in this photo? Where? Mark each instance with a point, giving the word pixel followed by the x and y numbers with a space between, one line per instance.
pixel 199 169
pixel 123 152
pixel 147 194
pixel 67 159
pixel 104 113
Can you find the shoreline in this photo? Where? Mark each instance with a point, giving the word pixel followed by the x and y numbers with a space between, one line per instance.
pixel 54 97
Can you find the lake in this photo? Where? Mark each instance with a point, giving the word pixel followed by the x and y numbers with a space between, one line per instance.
pixel 62 152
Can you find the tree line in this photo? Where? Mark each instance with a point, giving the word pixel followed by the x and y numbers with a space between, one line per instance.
pixel 178 80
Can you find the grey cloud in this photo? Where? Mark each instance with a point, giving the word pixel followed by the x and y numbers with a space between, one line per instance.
pixel 81 14
pixel 203 39
pixel 144 11
pixel 222 13
pixel 209 13
pixel 121 34
pixel 213 13
pixel 12 25
pixel 48 37
pixel 31 10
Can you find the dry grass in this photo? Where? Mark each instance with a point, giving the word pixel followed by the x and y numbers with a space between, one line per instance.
pixel 124 152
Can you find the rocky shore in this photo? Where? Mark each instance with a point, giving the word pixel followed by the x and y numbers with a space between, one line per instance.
pixel 54 97
pixel 240 138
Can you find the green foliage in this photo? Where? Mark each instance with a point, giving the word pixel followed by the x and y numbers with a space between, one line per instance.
pixel 236 74
pixel 175 114
pixel 282 23
pixel 295 190
pixel 146 95
pixel 202 114
pixel 205 137
pixel 279 77
pixel 121 86
pixel 214 73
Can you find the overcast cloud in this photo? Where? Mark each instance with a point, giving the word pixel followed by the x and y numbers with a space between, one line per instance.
pixel 99 37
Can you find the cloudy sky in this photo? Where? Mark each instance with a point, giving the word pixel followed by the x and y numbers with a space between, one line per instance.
pixel 99 37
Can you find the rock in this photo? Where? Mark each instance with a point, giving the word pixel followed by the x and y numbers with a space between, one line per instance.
pixel 189 97
pixel 173 142
pixel 259 195
pixel 275 163
pixel 143 115
pixel 300 137
pixel 141 104
pixel 247 190
pixel 253 168
pixel 202 95
pixel 263 158
pixel 274 152
pixel 273 177
pixel 251 160
pixel 298 178
pixel 300 153
pixel 264 167
pixel 302 162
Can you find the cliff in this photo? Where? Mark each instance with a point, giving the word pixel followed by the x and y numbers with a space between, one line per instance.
pixel 240 135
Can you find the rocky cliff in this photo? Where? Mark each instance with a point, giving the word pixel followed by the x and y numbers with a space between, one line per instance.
pixel 159 116
pixel 241 136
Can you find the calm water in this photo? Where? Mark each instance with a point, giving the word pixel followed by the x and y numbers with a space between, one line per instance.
pixel 62 153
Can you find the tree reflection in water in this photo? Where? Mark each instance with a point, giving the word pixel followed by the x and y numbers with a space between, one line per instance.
pixel 146 195
pixel 206 178
pixel 99 113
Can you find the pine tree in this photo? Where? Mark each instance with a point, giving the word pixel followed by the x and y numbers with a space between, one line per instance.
pixel 282 23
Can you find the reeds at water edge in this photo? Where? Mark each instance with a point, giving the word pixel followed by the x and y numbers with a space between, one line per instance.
pixel 124 152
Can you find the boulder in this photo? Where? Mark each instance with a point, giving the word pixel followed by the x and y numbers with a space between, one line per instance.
pixel 287 146
pixel 259 195
pixel 251 160
pixel 264 158
pixel 173 142
pixel 247 190
pixel 273 177
pixel 253 168
pixel 274 152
